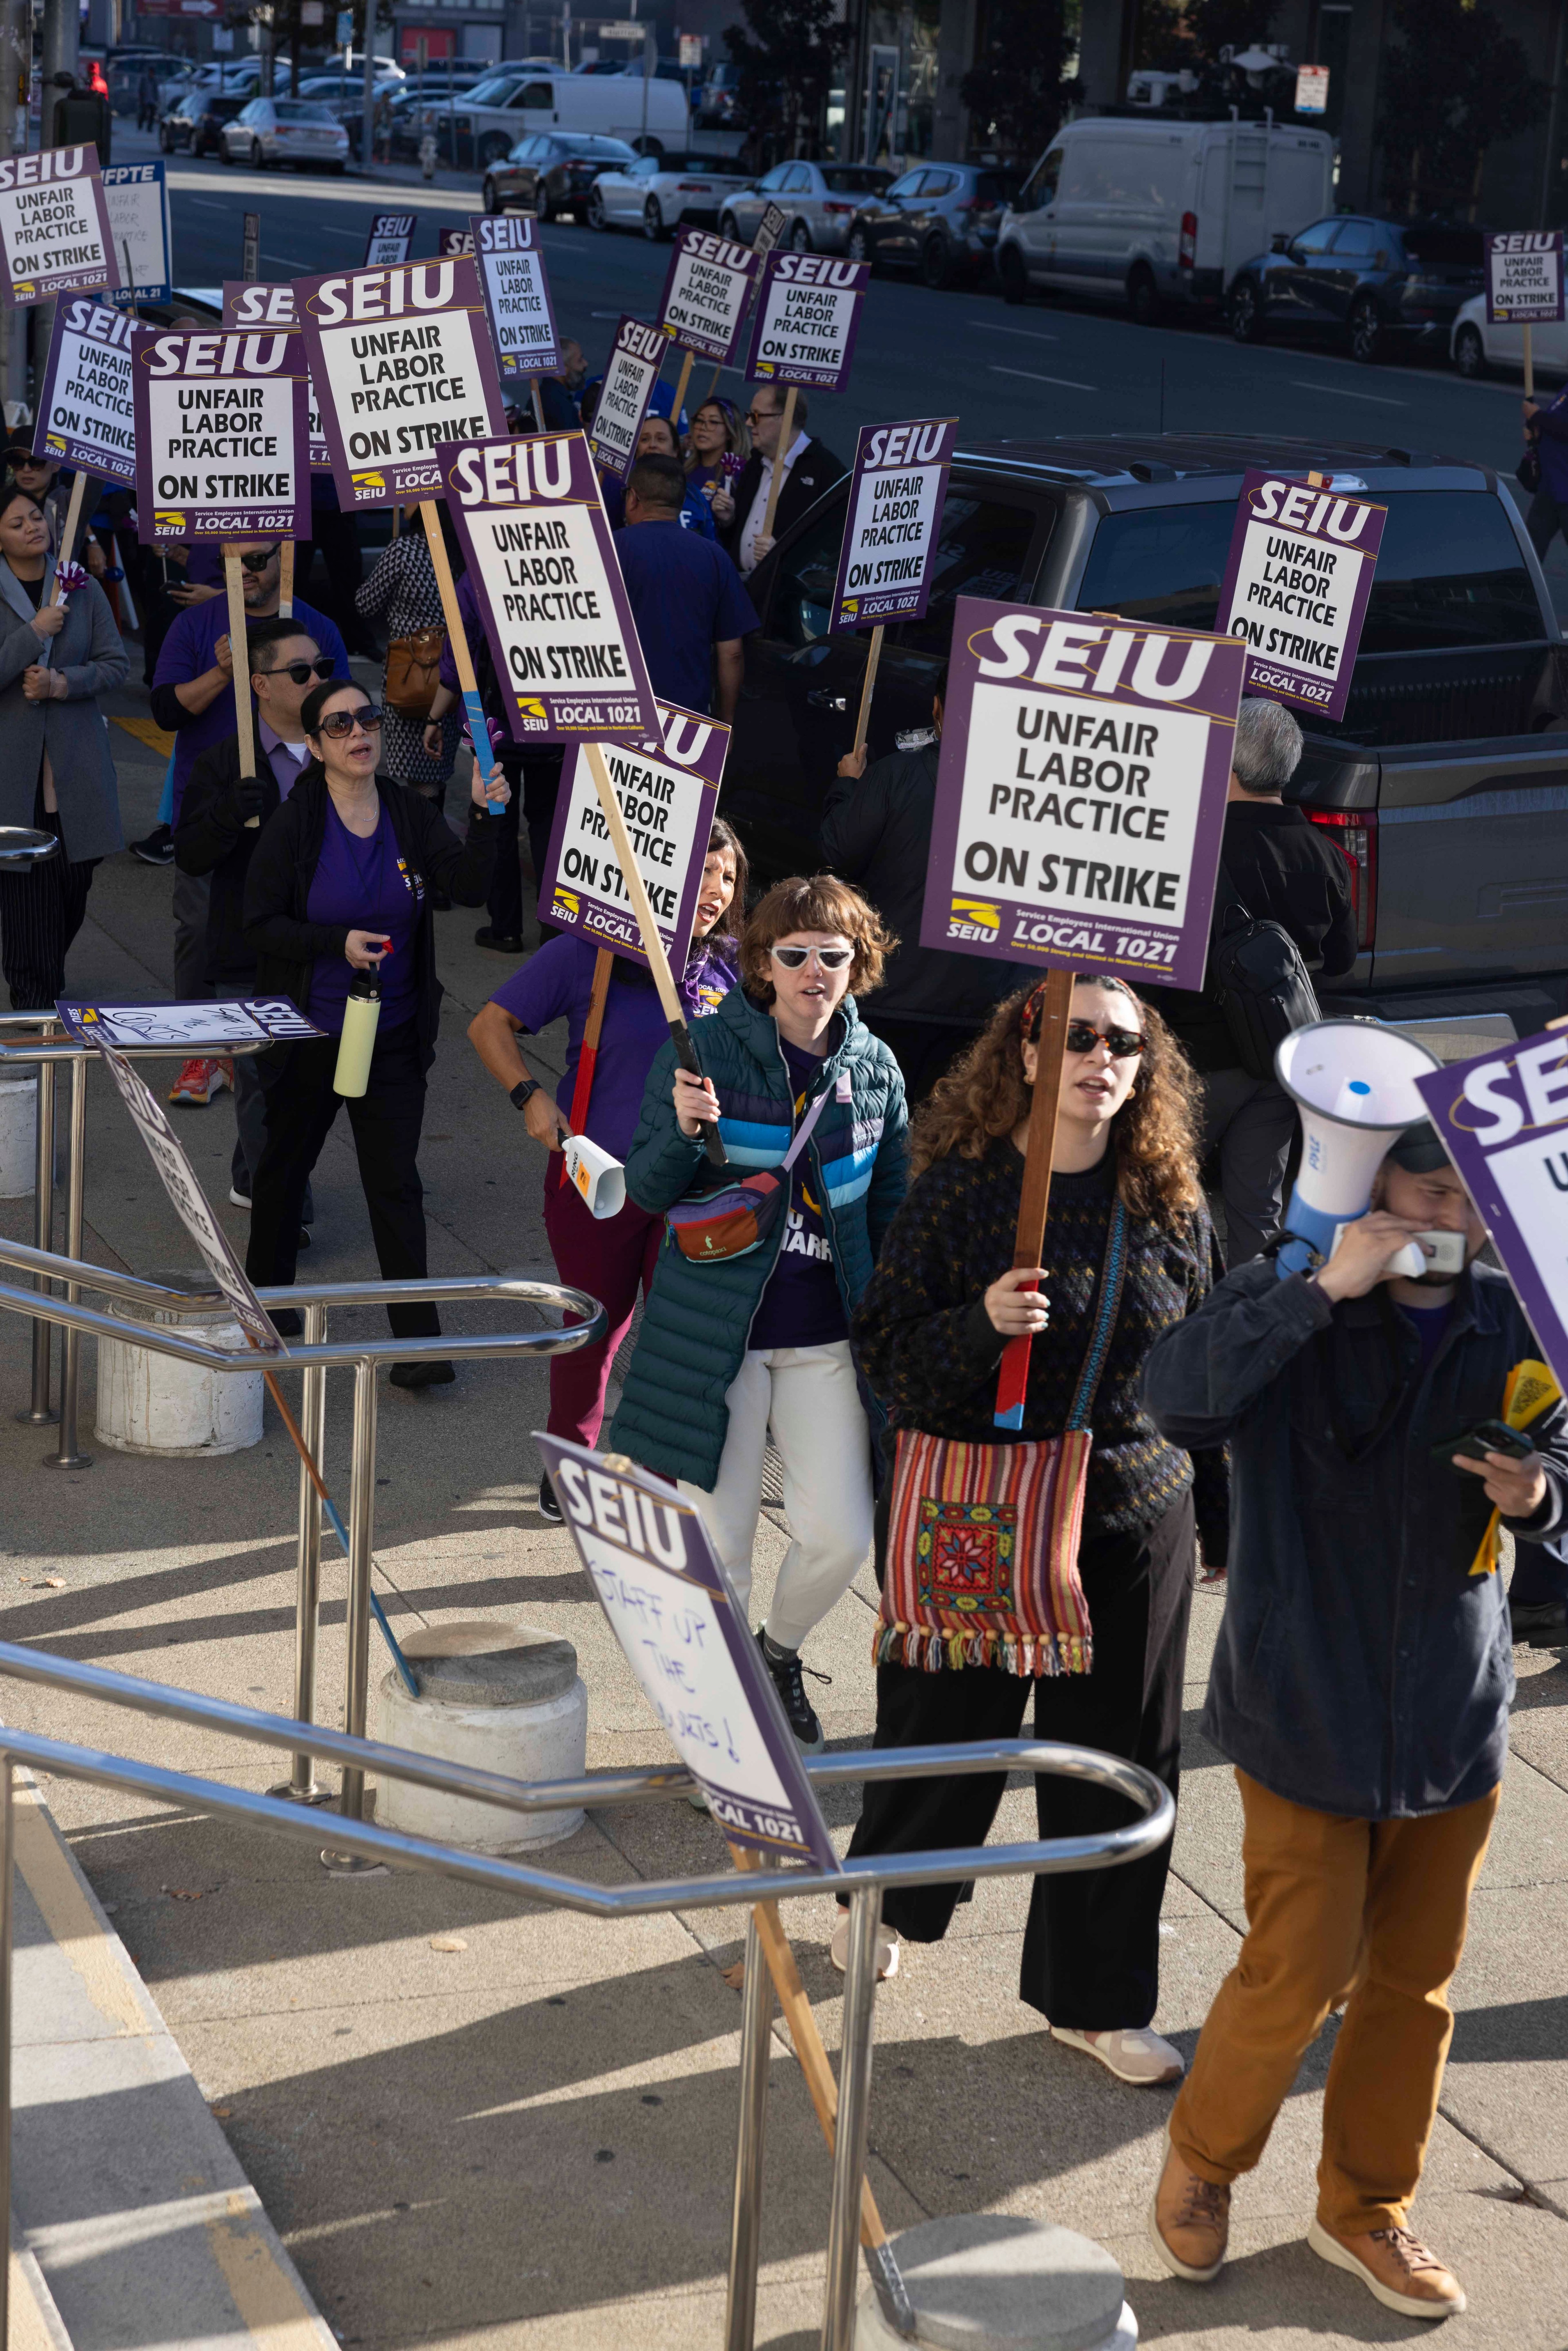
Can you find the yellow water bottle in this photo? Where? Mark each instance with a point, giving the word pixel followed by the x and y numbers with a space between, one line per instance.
pixel 361 1013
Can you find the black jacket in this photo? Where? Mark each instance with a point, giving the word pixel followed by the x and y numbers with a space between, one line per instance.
pixel 1283 871
pixel 211 837
pixel 815 469
pixel 283 863
pixel 876 832
pixel 1361 1669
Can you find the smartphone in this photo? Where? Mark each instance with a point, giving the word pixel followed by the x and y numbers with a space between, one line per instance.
pixel 1488 1437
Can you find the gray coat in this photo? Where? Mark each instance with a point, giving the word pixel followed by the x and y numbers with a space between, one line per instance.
pixel 74 732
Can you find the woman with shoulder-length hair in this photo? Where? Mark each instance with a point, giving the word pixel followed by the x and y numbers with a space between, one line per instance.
pixel 746 1326
pixel 976 1611
pixel 340 883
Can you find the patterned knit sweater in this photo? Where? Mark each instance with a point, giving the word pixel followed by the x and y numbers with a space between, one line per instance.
pixel 928 1348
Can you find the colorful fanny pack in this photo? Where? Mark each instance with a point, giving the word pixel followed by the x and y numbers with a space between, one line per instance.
pixel 731 1223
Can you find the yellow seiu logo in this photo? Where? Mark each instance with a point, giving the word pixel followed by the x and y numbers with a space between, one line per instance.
pixel 851 605
pixel 569 901
pixel 369 481
pixel 165 519
pixel 978 911
pixel 24 289
pixel 54 441
pixel 531 709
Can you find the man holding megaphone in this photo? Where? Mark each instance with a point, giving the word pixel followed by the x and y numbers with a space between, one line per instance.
pixel 1362 1680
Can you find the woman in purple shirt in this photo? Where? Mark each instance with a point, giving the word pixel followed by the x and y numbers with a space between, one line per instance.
pixel 340 883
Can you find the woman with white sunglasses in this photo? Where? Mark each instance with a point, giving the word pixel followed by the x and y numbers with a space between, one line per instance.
pixel 756 1342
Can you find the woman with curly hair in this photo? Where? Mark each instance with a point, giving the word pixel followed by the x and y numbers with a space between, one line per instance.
pixel 734 1347
pixel 1125 1208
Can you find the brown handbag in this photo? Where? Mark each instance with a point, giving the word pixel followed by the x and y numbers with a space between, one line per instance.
pixel 412 663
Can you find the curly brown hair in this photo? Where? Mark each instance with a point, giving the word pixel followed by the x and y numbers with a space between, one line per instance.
pixel 985 1095
pixel 822 902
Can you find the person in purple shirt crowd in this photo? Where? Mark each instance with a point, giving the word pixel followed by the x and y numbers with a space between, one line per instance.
pixel 193 696
pixel 612 1258
pixel 341 883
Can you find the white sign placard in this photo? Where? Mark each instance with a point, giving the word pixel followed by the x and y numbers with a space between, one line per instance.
pixel 1524 278
pixel 391 239
pixel 630 374
pixel 1311 90
pixel 137 195
pixel 668 803
pixel 707 293
pixel 516 292
pixel 203 1028
pixel 54 225
pixel 87 408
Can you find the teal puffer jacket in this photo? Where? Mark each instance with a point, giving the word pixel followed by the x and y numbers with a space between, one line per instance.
pixel 672 1415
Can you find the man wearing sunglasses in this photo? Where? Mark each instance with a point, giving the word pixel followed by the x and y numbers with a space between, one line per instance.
pixel 193 696
pixel 809 468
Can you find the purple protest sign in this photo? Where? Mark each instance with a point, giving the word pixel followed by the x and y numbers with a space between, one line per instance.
pixel 87 409
pixel 1301 558
pixel 541 556
pixel 893 525
pixel 391 239
pixel 55 233
pixel 707 293
pixel 247 304
pixel 402 360
pixel 630 374
pixel 687 1640
pixel 668 790
pixel 517 304
pixel 807 318
pixel 456 241
pixel 1524 278
pixel 221 436
pixel 1502 1118
pixel 1081 792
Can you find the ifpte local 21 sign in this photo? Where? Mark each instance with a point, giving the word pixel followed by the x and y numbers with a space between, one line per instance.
pixel 1296 588
pixel 893 525
pixel 1524 278
pixel 87 404
pixel 807 318
pixel 668 790
pixel 54 236
pixel 137 197
pixel 1081 792
pixel 1502 1118
pixel 221 436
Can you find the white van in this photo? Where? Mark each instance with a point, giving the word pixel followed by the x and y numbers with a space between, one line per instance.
pixel 487 121
pixel 1148 212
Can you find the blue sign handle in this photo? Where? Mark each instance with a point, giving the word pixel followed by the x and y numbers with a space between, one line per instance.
pixel 479 729
pixel 378 1613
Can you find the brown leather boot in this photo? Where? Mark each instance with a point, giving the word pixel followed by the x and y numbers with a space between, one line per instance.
pixel 1403 2274
pixel 1189 2222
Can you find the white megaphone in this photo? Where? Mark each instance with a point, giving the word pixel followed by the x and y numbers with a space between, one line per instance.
pixel 1353 1084
pixel 598 1180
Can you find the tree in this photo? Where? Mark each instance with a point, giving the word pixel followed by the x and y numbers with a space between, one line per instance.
pixel 1176 33
pixel 1018 85
pixel 1454 85
pixel 786 58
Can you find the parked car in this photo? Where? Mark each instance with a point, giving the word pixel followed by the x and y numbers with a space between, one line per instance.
pixel 484 127
pixel 1442 786
pixel 1475 349
pixel 657 193
pixel 298 130
pixel 1375 284
pixel 941 219
pixel 197 125
pixel 1155 213
pixel 821 200
pixel 719 104
pixel 555 173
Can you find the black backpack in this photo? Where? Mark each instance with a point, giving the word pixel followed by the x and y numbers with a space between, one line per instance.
pixel 1258 980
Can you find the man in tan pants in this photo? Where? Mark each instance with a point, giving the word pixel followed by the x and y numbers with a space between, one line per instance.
pixel 1361 1687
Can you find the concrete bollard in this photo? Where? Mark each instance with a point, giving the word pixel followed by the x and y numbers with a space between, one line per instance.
pixel 495 1695
pixel 986 2282
pixel 18 1133
pixel 154 1404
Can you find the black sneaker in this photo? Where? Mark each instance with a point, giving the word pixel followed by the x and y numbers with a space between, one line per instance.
pixel 427 1372
pixel 158 848
pixel 496 941
pixel 548 1507
pixel 786 1670
pixel 1544 1624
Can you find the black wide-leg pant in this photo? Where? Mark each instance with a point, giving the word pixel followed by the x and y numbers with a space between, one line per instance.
pixel 386 1120
pixel 41 910
pixel 1091 1953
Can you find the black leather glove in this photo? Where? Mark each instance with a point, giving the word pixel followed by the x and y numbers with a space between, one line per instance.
pixel 250 797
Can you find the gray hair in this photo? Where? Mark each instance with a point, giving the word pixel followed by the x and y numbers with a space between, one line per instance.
pixel 1267 746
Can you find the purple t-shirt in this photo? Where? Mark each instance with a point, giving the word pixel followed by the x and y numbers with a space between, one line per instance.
pixel 558 982
pixel 800 1306
pixel 360 884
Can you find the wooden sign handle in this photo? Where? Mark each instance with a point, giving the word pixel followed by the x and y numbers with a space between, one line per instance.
pixel 539 425
pixel 462 660
pixel 776 484
pixel 874 656
pixel 1034 1201
pixel 239 656
pixel 582 1086
pixel 681 382
pixel 286 581
pixel 69 536
pixel 652 945
pixel 1529 364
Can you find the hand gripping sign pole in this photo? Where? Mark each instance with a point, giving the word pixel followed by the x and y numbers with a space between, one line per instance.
pixel 239 662
pixel 1034 1201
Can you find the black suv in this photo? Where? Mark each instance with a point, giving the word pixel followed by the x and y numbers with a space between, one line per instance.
pixel 197 122
pixel 1375 284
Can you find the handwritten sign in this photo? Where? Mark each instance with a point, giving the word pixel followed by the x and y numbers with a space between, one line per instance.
pixel 691 1648
pixel 203 1027
pixel 893 524
pixel 221 436
pixel 1296 587
pixel 517 304
pixel 246 304
pixel 707 293
pixel 391 239
pixel 668 791
pixel 137 195
pixel 54 236
pixel 630 374
pixel 807 318
pixel 1081 792
pixel 1524 278
pixel 87 409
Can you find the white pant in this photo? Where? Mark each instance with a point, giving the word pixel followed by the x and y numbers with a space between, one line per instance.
pixel 809 1396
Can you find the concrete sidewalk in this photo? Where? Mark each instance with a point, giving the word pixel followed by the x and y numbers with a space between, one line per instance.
pixel 526 2138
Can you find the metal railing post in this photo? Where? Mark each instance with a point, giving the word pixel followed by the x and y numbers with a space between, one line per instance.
pixel 361 1527
pixel 70 1455
pixel 854 2112
pixel 745 2222
pixel 302 1786
pixel 8 1938
pixel 40 1413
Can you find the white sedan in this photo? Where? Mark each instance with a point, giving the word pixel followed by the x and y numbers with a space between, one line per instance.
pixel 818 200
pixel 657 193
pixel 1475 349
pixel 298 130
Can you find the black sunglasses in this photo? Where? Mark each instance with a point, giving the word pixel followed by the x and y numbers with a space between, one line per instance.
pixel 1083 1037
pixel 302 672
pixel 338 723
pixel 257 562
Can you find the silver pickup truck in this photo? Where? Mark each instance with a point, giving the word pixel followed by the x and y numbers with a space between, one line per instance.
pixel 1445 787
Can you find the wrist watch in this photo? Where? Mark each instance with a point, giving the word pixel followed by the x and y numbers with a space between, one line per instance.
pixel 523 1092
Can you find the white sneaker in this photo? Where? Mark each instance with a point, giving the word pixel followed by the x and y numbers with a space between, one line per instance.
pixel 886 1949
pixel 1133 2054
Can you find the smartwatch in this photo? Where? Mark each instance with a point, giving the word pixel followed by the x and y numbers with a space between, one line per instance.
pixel 523 1092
